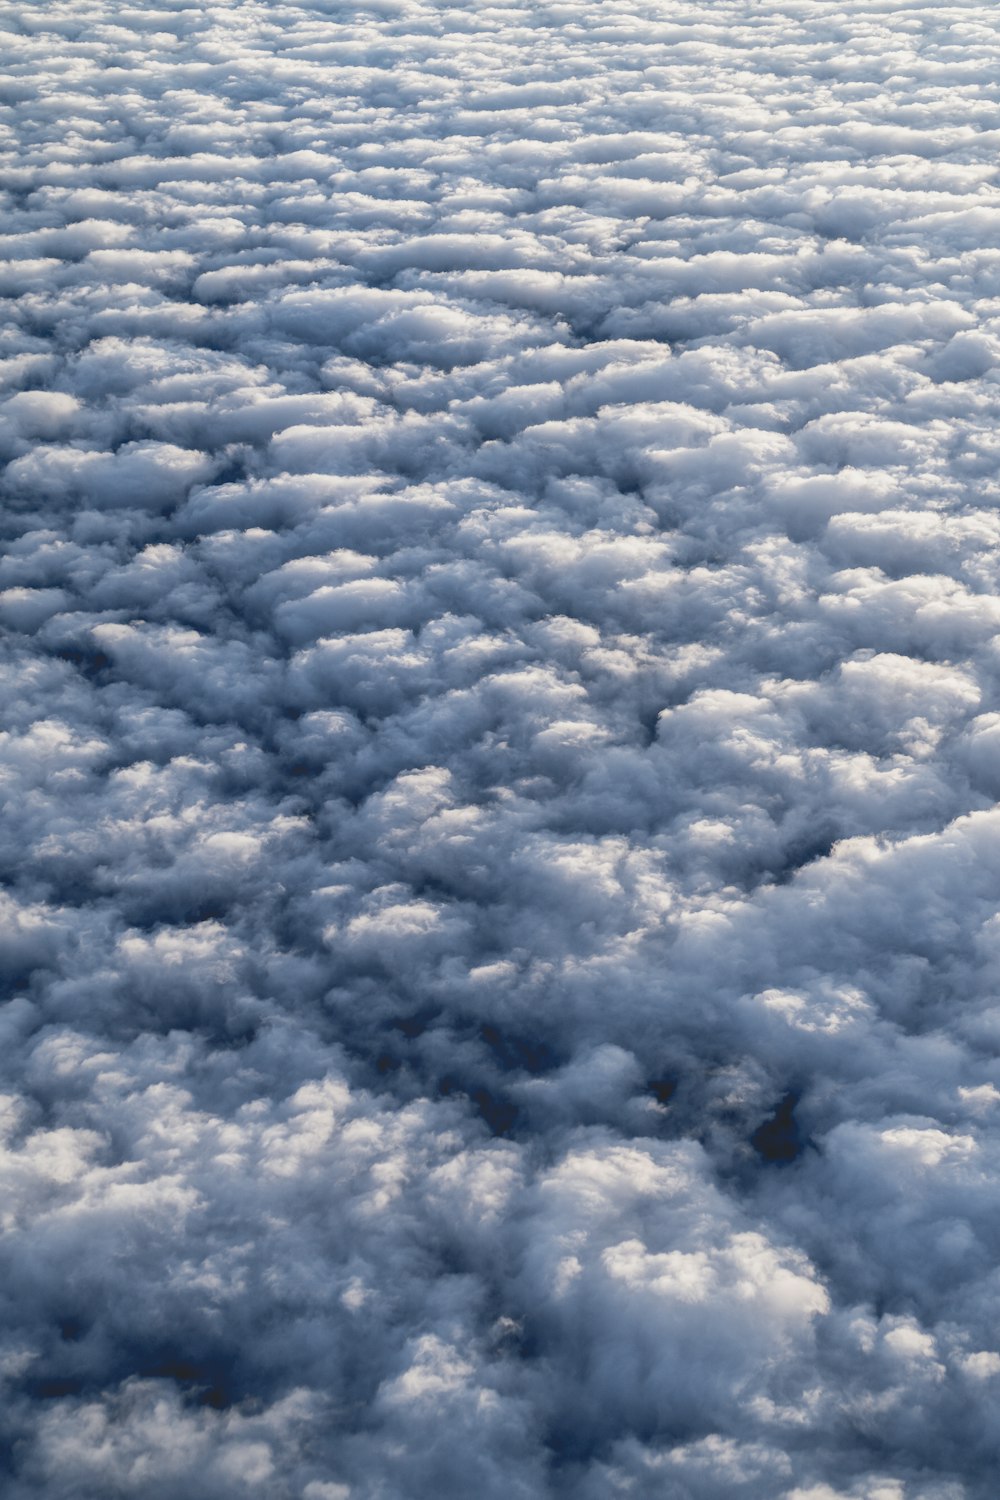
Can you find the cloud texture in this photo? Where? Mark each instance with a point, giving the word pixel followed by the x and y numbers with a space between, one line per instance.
pixel 501 745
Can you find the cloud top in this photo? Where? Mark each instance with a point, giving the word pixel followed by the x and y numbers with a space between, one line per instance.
pixel 499 746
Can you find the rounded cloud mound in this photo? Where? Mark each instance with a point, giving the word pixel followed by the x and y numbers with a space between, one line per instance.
pixel 500 751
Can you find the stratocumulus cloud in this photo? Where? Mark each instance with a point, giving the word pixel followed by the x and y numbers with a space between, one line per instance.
pixel 500 751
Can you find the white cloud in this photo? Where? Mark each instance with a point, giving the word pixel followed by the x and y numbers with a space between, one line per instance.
pixel 499 751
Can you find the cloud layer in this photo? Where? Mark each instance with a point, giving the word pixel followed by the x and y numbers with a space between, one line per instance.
pixel 501 744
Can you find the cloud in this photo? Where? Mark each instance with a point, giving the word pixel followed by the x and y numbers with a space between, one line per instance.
pixel 499 752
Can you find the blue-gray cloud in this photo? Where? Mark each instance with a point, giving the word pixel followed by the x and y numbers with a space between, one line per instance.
pixel 500 748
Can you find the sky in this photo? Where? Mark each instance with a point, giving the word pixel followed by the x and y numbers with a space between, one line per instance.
pixel 500 750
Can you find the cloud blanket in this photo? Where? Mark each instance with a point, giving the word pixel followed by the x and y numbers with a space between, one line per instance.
pixel 501 748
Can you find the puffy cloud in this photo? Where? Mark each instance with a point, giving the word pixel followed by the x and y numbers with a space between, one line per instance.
pixel 499 749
